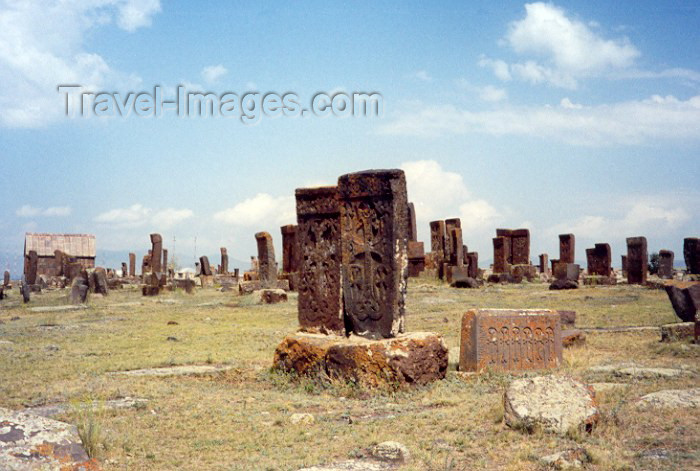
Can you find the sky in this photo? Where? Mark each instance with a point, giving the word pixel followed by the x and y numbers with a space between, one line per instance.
pixel 566 117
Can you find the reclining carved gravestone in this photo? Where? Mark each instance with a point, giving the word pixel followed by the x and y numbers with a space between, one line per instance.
pixel 373 206
pixel 318 237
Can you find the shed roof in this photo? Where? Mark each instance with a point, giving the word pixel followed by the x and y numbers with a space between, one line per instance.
pixel 75 245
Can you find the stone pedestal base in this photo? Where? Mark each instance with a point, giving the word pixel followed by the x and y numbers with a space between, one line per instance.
pixel 414 358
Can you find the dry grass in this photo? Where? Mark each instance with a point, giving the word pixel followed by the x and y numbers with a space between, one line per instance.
pixel 239 419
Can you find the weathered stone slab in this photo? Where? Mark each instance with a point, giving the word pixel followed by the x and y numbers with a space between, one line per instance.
pixel 450 242
pixel 666 264
pixel 412 231
pixel 56 308
pixel 437 245
pixel 554 404
pixel 100 279
pixel 623 264
pixel 416 258
pixel 501 247
pixel 520 247
pixel 671 399
pixel 156 253
pixel 32 262
pixel 599 260
pixel 567 248
pixel 132 264
pixel 204 266
pixel 473 264
pixel 270 296
pixel 408 359
pixel 224 261
pixel 544 263
pixel 290 249
pixel 457 249
pixel 6 278
pixel 572 337
pixel 31 442
pixel 684 297
pixel 637 260
pixel 373 207
pixel 184 370
pixel 267 266
pixel 510 340
pixel 678 331
pixel 318 235
pixel 563 284
pixel 691 254
pixel 248 287
pixel 637 372
pixel 78 291
pixel 566 271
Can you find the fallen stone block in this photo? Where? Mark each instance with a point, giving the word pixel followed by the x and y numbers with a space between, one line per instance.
pixel 270 296
pixel 174 371
pixel 408 359
pixel 31 442
pixel 572 337
pixel 598 280
pixel 671 399
pixel 678 331
pixel 685 298
pixel 637 372
pixel 563 284
pixel 553 404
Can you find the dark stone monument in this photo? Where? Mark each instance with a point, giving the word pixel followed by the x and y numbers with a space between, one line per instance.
pixel 450 243
pixel 290 249
pixel 156 253
pixel 267 267
pixel 520 246
pixel 599 260
pixel 501 246
pixel 125 270
pixel 318 241
pixel 32 266
pixel 146 263
pixel 506 234
pixel 623 261
pixel 437 245
pixel 224 261
pixel 457 247
pixel 416 258
pixel 132 264
pixel 100 281
pixel 637 260
pixel 6 278
pixel 685 298
pixel 205 268
pixel 691 253
pixel 373 208
pixel 412 231
pixel 473 266
pixel 567 248
pixel 78 290
pixel 666 264
pixel 544 263
pixel 197 268
pixel 164 267
pixel 25 289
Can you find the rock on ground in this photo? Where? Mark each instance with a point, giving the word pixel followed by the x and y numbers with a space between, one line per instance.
pixel 672 398
pixel 352 465
pixel 61 408
pixel 678 331
pixel 270 296
pixel 29 442
pixel 174 371
pixel 553 403
pixel 391 451
pixel 637 372
pixel 302 418
pixel 572 337
pixel 415 358
pixel 568 459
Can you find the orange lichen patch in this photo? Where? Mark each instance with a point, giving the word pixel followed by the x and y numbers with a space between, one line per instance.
pixel 90 465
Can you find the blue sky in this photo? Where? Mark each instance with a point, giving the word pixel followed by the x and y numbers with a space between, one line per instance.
pixel 561 117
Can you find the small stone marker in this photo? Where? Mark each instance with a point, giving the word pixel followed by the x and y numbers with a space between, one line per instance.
pixel 373 208
pixel 599 260
pixel 544 263
pixel 156 253
pixel 78 290
pixel 637 260
pixel 267 267
pixel 25 290
pixel 416 258
pixel 501 247
pixel 666 264
pixel 567 248
pixel 510 340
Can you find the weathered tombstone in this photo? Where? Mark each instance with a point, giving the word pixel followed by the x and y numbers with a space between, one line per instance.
pixel 623 261
pixel 224 261
pixel 544 263
pixel 267 267
pixel 637 260
pixel 373 208
pixel 318 240
pixel 25 290
pixel 164 267
pixel 691 254
pixel 416 258
pixel 450 243
pixel 457 249
pixel 32 266
pixel 507 235
pixel 197 268
pixel 473 266
pixel 520 247
pixel 156 253
pixel 501 247
pixel 100 277
pixel 437 245
pixel 685 298
pixel 599 260
pixel 6 278
pixel 125 271
pixel 78 290
pixel 567 248
pixel 412 231
pixel 132 264
pixel 666 264
pixel 146 263
pixel 205 267
pixel 566 271
pixel 510 340
pixel 57 268
pixel 290 249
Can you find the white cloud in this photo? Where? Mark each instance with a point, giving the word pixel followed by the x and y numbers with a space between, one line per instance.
pixel 213 73
pixel 58 211
pixel 261 209
pixel 500 68
pixel 170 217
pixel 28 211
pixel 491 93
pixel 626 123
pixel 479 215
pixel 422 75
pixel 42 46
pixel 135 214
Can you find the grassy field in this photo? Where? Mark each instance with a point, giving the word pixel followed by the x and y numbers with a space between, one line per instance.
pixel 239 419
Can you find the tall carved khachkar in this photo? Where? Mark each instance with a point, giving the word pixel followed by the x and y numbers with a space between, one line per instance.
pixel 637 260
pixel 224 261
pixel 267 267
pixel 156 253
pixel 666 258
pixel 373 208
pixel 599 260
pixel 318 241
pixel 567 248
pixel 132 264
pixel 437 245
pixel 412 231
pixel 691 254
pixel 290 249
